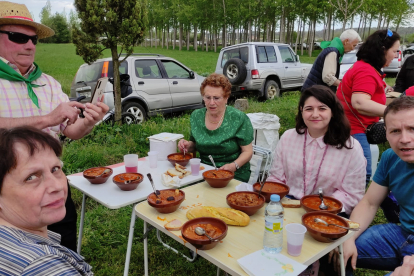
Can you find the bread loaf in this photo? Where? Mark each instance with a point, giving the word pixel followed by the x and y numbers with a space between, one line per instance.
pixel 352 224
pixel 228 215
pixel 290 203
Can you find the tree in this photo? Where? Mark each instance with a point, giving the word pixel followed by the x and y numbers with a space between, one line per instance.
pixel 107 24
pixel 347 8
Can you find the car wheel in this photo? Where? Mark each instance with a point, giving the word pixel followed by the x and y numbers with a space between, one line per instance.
pixel 137 110
pixel 272 90
pixel 128 119
pixel 235 70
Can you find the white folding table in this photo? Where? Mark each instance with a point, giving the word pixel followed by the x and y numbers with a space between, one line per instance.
pixel 109 195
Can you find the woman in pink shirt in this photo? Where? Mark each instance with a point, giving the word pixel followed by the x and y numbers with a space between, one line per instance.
pixel 320 152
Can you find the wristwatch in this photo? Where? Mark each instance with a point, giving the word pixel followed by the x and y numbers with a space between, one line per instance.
pixel 237 166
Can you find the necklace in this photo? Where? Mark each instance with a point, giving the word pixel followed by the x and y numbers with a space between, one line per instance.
pixel 304 164
pixel 219 122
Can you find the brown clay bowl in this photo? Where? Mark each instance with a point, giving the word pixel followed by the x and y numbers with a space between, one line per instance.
pixel 166 207
pixel 249 210
pixel 120 179
pixel 276 189
pixel 97 179
pixel 311 204
pixel 216 182
pixel 182 162
pixel 320 235
pixel 205 244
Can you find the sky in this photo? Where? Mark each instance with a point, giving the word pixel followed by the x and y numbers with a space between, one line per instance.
pixel 35 6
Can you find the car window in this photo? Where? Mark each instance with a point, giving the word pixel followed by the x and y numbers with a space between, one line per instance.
pixel 287 55
pixel 147 69
pixel 123 68
pixel 89 73
pixel 241 53
pixel 349 58
pixel 175 71
pixel 266 54
pixel 271 54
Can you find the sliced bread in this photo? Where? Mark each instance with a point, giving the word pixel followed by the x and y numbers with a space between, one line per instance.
pixel 174 225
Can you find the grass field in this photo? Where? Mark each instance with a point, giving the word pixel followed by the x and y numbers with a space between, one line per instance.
pixel 106 231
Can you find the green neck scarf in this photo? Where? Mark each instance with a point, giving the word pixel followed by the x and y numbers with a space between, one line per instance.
pixel 335 43
pixel 8 73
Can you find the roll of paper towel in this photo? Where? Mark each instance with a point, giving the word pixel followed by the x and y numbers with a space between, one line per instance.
pixel 163 148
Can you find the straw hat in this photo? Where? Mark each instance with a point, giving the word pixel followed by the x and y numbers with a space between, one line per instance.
pixel 18 14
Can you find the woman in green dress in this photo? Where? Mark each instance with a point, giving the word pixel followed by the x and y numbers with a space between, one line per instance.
pixel 220 130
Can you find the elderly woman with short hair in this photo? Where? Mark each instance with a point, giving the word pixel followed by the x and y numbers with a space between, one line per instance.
pixel 220 130
pixel 33 191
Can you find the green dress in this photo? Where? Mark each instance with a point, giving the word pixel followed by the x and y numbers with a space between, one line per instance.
pixel 223 143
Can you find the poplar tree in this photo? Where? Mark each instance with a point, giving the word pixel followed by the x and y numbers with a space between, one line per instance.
pixel 109 24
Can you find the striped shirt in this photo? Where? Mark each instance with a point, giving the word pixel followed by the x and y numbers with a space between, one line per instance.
pixel 24 253
pixel 342 173
pixel 16 103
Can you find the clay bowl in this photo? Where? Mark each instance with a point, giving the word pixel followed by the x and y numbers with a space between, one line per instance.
pixel 249 210
pixel 277 189
pixel 218 182
pixel 205 244
pixel 120 179
pixel 168 207
pixel 97 179
pixel 307 201
pixel 321 234
pixel 182 162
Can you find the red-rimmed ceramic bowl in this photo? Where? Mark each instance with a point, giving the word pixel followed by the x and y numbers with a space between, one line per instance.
pixel 272 188
pixel 205 243
pixel 95 176
pixel 249 210
pixel 217 181
pixel 128 181
pixel 167 207
pixel 324 233
pixel 311 204
pixel 179 158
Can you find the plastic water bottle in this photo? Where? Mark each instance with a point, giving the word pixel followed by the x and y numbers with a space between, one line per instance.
pixel 273 233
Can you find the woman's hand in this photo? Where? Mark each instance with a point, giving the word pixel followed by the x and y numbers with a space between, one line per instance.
pixel 230 167
pixel 407 268
pixel 187 145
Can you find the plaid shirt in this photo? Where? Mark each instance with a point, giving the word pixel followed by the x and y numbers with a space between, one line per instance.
pixel 16 103
pixel 342 173
pixel 24 253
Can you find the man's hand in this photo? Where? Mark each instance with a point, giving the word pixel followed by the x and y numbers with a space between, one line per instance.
pixel 407 268
pixel 65 111
pixel 94 113
pixel 350 251
pixel 334 258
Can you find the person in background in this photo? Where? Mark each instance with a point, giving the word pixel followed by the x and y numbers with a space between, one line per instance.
pixel 383 246
pixel 406 269
pixel 33 191
pixel 405 77
pixel 29 97
pixel 219 130
pixel 325 69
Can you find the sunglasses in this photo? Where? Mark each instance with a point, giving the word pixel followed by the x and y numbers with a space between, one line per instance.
pixel 20 38
pixel 389 34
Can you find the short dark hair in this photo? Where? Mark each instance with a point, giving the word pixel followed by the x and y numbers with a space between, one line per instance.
pixel 372 51
pixel 33 138
pixel 402 103
pixel 339 129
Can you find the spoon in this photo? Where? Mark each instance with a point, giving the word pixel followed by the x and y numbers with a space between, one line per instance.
pixel 200 231
pixel 156 192
pixel 322 206
pixel 104 172
pixel 212 161
pixel 261 187
pixel 327 224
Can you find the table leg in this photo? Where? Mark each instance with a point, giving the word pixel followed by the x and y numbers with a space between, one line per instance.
pixel 218 271
pixel 130 237
pixel 173 249
pixel 145 250
pixel 81 224
pixel 341 258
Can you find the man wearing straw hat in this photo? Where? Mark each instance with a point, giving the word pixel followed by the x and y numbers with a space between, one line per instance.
pixel 30 97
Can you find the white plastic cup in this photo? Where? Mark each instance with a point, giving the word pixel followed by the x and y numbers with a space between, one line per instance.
pixel 195 166
pixel 131 163
pixel 295 235
pixel 153 158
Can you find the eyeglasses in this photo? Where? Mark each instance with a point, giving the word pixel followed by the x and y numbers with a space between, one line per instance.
pixel 20 38
pixel 389 34
pixel 215 99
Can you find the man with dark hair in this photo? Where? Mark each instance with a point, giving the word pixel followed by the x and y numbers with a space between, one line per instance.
pixel 30 97
pixel 325 69
pixel 384 246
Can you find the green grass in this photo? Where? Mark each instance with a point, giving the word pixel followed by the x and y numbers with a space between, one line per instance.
pixel 106 231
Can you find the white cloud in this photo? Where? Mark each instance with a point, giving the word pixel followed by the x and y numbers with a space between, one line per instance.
pixel 35 6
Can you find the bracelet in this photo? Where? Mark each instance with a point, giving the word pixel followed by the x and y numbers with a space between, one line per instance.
pixel 237 166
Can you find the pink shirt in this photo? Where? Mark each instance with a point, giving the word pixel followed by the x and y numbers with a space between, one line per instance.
pixel 342 173
pixel 16 103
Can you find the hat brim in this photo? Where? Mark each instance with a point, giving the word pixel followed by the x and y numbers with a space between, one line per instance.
pixel 42 31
